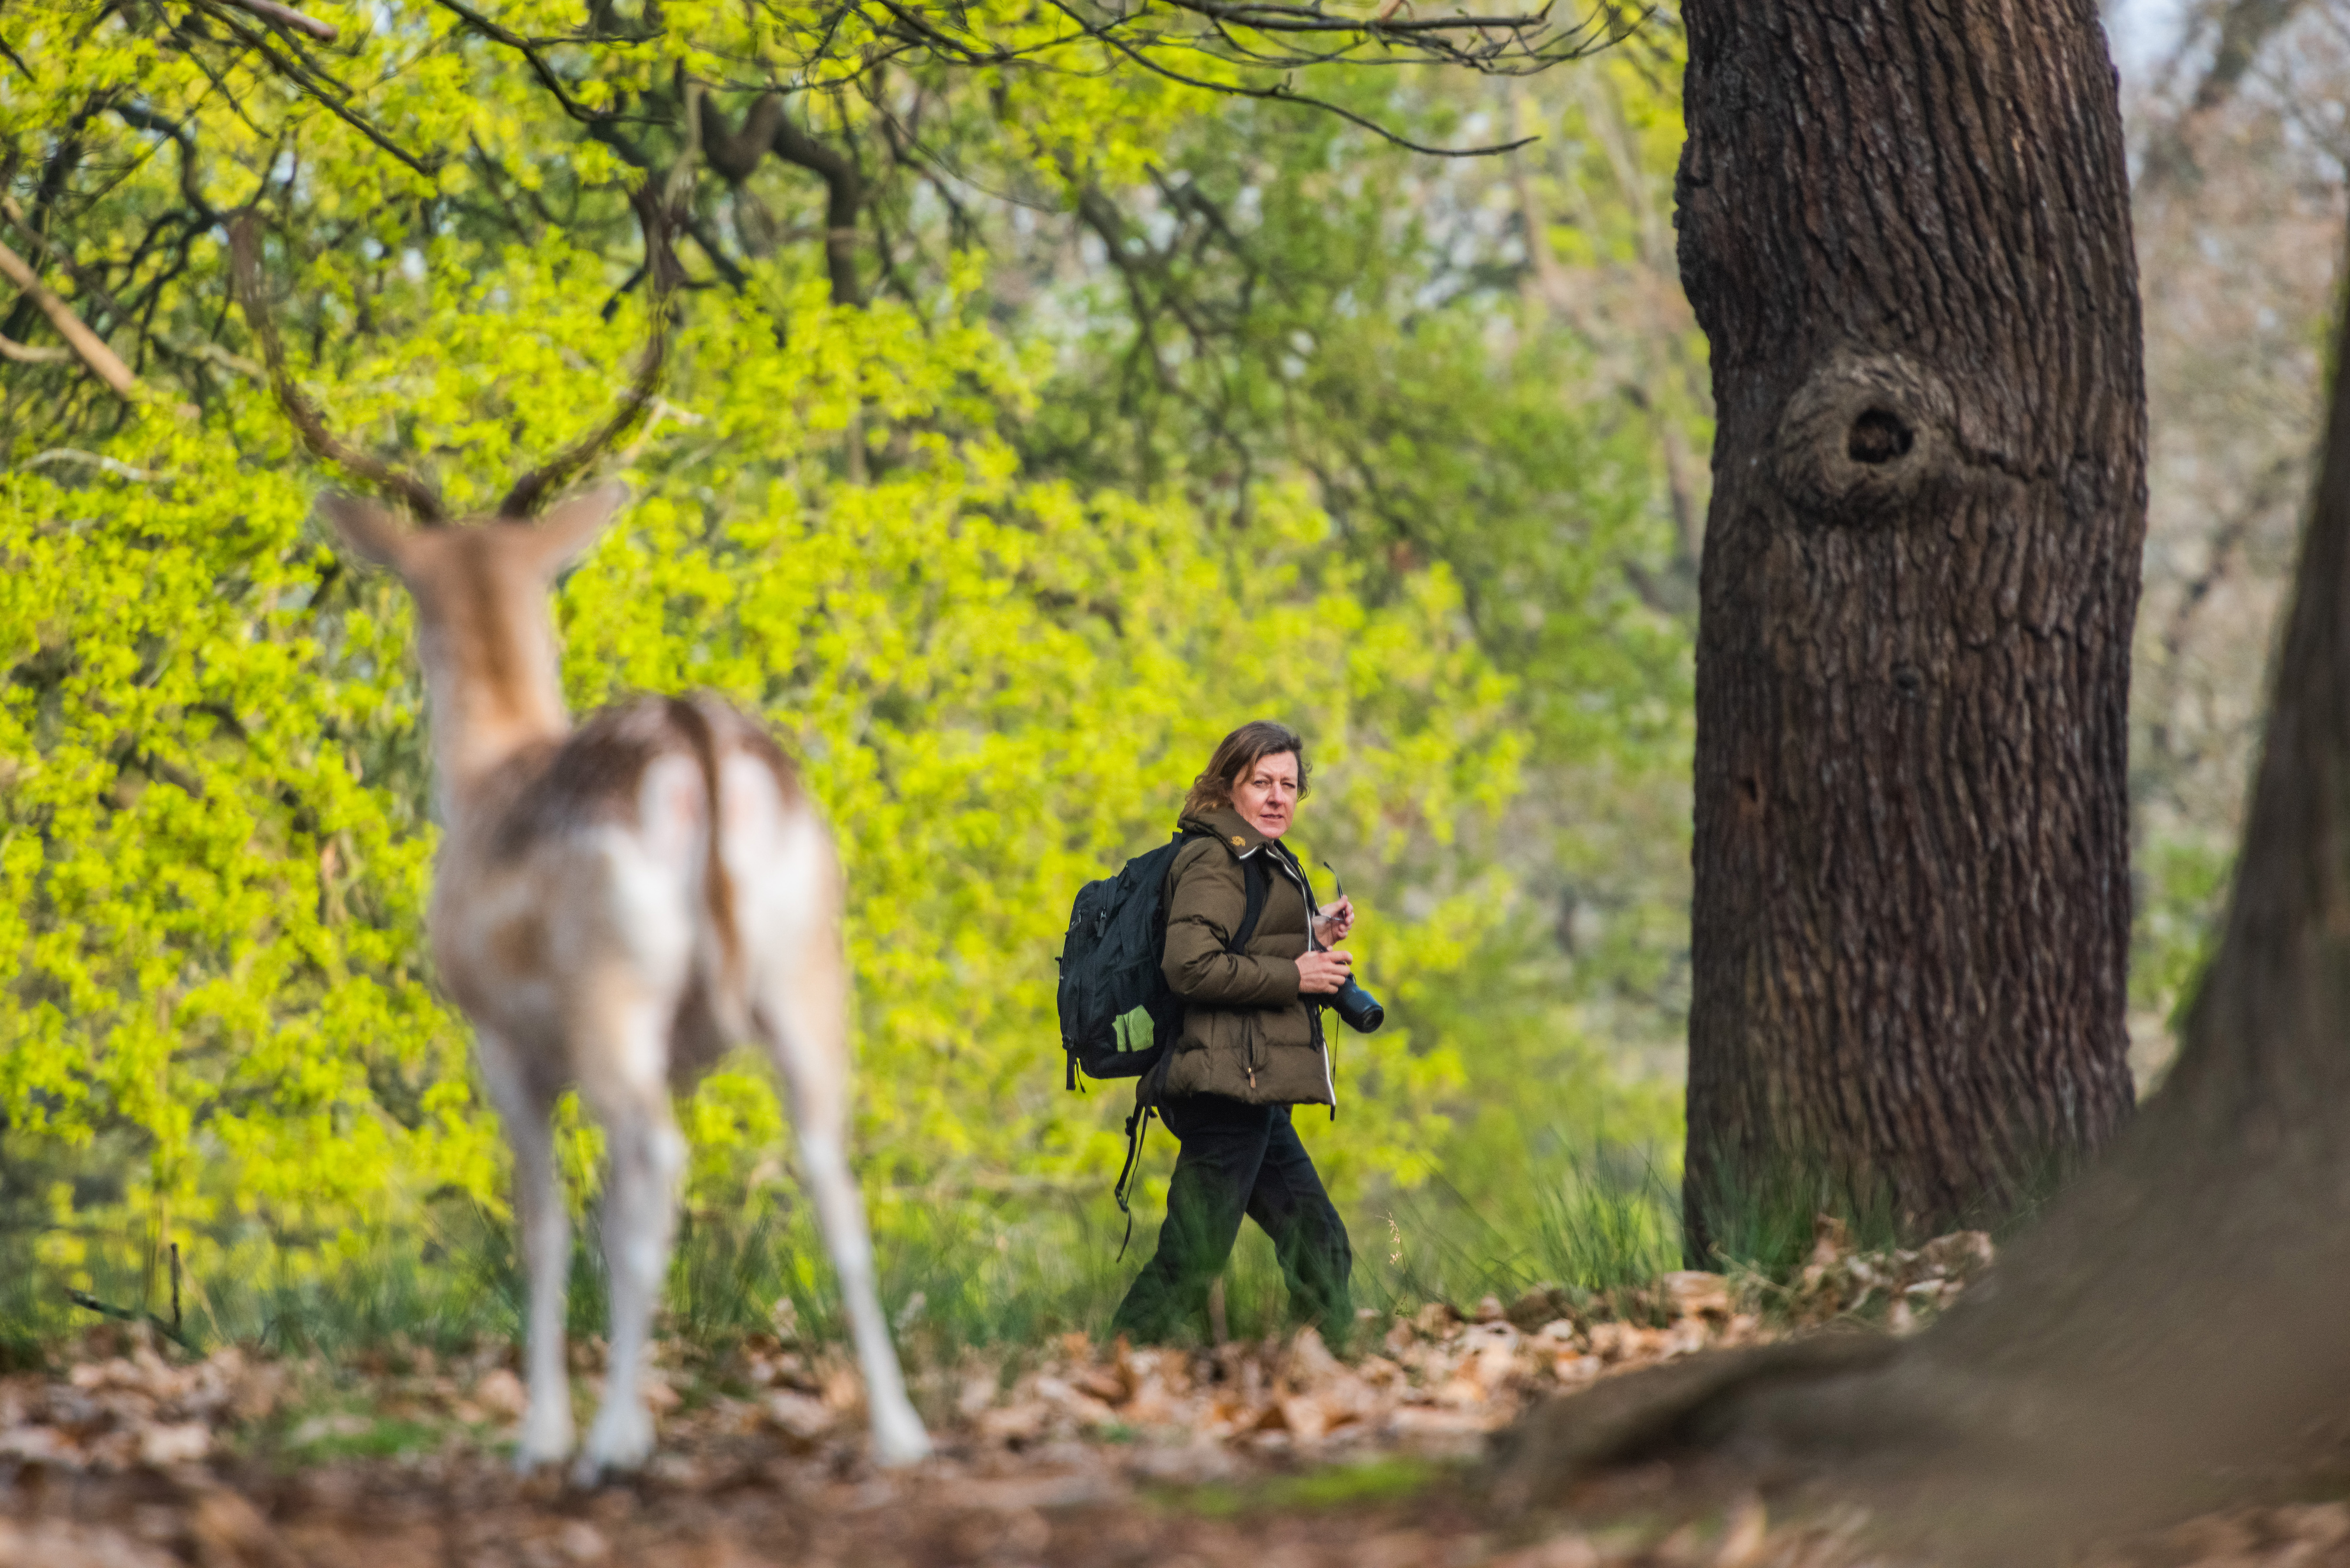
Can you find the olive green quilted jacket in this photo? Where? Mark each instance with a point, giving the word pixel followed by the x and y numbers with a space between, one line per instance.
pixel 1247 1033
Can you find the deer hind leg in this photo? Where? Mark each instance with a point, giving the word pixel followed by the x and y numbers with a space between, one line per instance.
pixel 622 1053
pixel 800 996
pixel 527 1113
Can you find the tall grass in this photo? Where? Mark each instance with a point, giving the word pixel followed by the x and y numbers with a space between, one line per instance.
pixel 1000 1271
pixel 1764 1220
pixel 1593 1221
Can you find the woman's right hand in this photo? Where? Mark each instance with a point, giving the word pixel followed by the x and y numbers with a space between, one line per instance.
pixel 1324 973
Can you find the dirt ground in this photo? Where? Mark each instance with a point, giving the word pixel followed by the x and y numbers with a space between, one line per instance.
pixel 1074 1505
pixel 1274 1455
pixel 1270 1455
pixel 1078 1506
pixel 755 1495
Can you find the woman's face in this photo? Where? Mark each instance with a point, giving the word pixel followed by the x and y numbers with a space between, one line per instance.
pixel 1265 795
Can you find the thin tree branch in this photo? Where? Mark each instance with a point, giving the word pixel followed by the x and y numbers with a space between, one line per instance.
pixel 528 49
pixel 87 346
pixel 115 466
pixel 2244 27
pixel 286 16
pixel 184 138
pixel 328 95
pixel 25 354
pixel 1282 95
pixel 1265 18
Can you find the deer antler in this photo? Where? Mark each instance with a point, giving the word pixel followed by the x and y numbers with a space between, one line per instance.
pixel 532 489
pixel 244 270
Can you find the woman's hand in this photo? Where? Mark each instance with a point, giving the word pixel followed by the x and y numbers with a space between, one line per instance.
pixel 1324 973
pixel 1333 921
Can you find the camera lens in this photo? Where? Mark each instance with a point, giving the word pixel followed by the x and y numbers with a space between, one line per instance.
pixel 1359 1007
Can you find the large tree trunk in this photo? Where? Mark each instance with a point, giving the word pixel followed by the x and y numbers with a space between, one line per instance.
pixel 2186 1308
pixel 1906 231
pixel 2176 1334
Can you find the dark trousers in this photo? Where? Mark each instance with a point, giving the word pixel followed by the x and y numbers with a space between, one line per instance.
pixel 1239 1160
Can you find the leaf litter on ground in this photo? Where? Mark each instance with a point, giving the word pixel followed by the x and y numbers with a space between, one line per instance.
pixel 1267 1453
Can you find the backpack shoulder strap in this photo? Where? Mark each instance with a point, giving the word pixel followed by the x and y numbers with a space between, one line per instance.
pixel 1258 886
pixel 1254 885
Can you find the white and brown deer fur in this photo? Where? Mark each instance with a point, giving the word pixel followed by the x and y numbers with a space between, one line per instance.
pixel 613 906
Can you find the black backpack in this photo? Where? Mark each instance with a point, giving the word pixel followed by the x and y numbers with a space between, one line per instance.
pixel 1118 1014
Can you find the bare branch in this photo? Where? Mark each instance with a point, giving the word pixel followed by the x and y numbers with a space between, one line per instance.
pixel 2244 27
pixel 844 194
pixel 96 292
pixel 736 153
pixel 331 96
pixel 1282 95
pixel 25 354
pixel 528 49
pixel 212 353
pixel 113 465
pixel 1526 42
pixel 1269 18
pixel 87 346
pixel 286 16
pixel 244 270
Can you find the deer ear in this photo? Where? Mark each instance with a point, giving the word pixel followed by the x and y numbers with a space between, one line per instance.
pixel 573 522
pixel 367 528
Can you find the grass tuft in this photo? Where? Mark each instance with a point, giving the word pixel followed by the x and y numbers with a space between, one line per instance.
pixel 988 1273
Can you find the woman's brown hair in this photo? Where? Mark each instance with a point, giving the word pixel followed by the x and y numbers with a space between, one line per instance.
pixel 1235 754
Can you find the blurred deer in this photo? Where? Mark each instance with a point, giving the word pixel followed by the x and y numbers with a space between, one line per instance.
pixel 613 906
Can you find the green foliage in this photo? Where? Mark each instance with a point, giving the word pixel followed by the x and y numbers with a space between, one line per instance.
pixel 224 960
pixel 1592 1218
pixel 364 1436
pixel 2183 884
pixel 1366 1482
pixel 999 581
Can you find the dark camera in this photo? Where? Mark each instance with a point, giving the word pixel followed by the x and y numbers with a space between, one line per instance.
pixel 1359 1007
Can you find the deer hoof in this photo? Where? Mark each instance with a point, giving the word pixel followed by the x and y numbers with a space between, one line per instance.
pixel 544 1443
pixel 620 1442
pixel 898 1440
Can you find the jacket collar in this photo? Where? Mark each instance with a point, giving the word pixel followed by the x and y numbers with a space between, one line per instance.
pixel 1231 830
pixel 1237 835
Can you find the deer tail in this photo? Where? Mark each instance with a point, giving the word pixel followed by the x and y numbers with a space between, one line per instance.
pixel 723 955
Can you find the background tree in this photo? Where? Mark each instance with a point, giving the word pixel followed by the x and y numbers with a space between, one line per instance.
pixel 2238 249
pixel 1911 907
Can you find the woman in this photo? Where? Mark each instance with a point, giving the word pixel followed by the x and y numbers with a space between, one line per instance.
pixel 1251 1046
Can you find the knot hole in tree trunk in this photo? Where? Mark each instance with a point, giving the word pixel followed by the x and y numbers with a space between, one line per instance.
pixel 1879 436
pixel 1860 438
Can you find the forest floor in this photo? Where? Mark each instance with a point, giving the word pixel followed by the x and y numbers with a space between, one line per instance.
pixel 1272 1455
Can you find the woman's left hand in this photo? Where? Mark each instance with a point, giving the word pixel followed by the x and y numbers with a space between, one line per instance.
pixel 1333 921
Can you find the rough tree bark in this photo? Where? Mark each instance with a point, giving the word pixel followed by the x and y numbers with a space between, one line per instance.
pixel 2172 1337
pixel 1906 231
pixel 2182 1310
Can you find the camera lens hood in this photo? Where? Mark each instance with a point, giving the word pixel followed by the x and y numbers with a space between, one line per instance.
pixel 1359 1007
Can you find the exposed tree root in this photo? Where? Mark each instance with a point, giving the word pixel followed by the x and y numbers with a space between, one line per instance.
pixel 1679 1406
